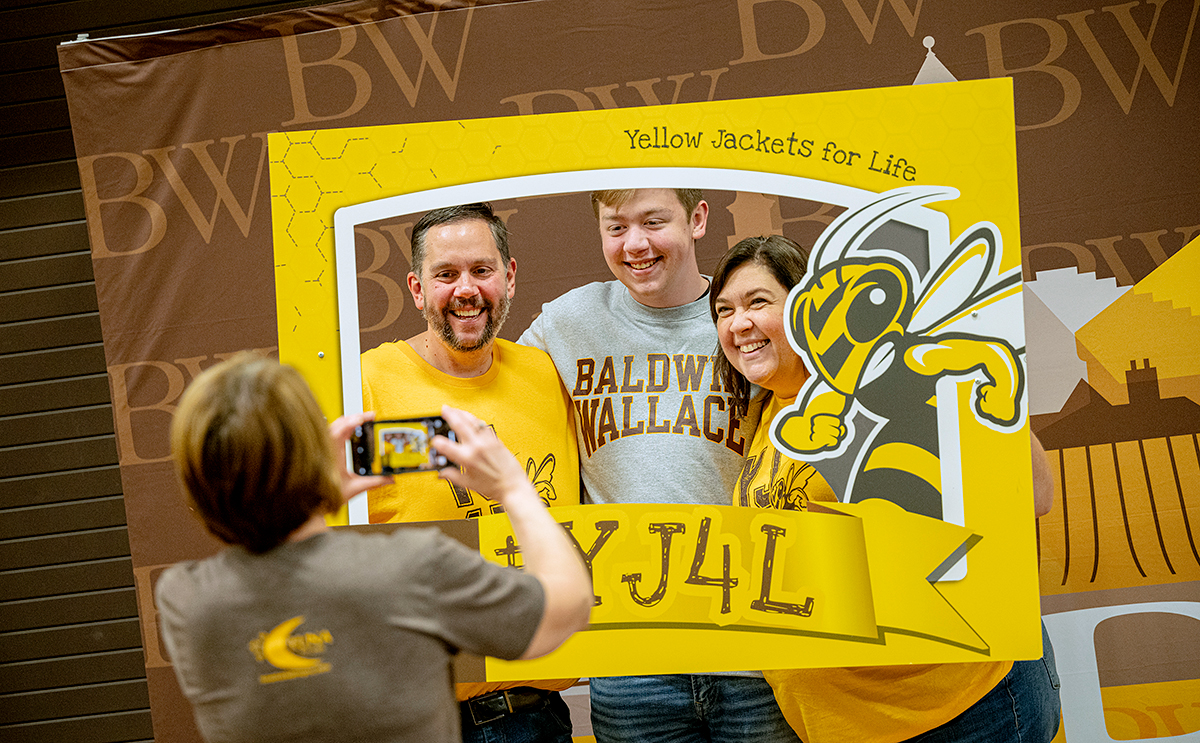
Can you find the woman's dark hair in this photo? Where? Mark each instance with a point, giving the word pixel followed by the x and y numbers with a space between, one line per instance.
pixel 787 262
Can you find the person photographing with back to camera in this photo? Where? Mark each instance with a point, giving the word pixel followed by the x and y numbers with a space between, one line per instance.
pixel 298 631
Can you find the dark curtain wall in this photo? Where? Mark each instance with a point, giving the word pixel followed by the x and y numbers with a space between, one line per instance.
pixel 71 666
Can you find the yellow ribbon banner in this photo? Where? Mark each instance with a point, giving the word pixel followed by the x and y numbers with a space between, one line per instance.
pixel 682 589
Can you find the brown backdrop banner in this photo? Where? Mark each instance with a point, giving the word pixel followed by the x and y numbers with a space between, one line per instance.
pixel 170 132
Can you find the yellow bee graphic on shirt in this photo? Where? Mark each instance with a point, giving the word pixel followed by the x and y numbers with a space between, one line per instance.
pixel 542 477
pixel 883 338
pixel 295 655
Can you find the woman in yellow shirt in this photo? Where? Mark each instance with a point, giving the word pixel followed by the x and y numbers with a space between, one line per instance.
pixel 995 701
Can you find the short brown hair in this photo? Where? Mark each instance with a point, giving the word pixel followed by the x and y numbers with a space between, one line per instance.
pixel 448 214
pixel 787 261
pixel 690 198
pixel 253 453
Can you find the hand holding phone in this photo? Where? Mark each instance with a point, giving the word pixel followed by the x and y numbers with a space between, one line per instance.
pixel 399 446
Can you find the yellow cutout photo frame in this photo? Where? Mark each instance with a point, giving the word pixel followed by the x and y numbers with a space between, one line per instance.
pixel 928 169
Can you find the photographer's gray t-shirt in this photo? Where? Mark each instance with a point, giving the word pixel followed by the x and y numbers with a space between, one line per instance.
pixel 339 637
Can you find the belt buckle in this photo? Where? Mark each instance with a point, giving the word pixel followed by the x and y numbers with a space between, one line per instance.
pixel 495 714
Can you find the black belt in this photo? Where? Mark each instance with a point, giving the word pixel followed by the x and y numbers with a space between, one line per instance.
pixel 487 708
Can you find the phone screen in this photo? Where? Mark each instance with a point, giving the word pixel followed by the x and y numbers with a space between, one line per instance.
pixel 396 447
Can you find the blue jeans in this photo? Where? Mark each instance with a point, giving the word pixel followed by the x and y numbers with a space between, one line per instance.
pixel 550 723
pixel 1022 708
pixel 686 708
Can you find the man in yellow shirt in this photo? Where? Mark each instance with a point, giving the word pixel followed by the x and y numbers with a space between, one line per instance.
pixel 462 279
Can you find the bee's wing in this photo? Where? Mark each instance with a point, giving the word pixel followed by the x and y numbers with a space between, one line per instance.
pixel 967 282
pixel 545 470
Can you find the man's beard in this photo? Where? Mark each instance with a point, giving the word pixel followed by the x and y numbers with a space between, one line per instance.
pixel 440 322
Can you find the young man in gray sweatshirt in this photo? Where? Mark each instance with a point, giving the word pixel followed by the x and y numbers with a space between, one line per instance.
pixel 654 427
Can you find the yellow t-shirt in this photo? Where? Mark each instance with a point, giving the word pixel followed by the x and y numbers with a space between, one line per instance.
pixel 520 396
pixel 876 704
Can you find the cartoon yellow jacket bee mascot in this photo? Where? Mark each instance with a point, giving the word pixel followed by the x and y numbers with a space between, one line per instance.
pixel 879 337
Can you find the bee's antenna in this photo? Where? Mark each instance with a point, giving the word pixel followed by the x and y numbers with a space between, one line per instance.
pixel 853 226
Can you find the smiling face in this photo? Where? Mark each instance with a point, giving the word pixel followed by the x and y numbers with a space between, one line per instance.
pixel 465 287
pixel 650 246
pixel 753 332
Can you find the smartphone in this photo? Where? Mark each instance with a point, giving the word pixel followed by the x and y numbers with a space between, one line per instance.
pixel 396 447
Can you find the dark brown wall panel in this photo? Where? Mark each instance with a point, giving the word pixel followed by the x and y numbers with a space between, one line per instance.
pixel 41 209
pixel 46 271
pixel 54 394
pixel 18 87
pixel 93 575
pixel 39 178
pixel 94 668
pixel 53 364
pixel 89 700
pixel 71 663
pixel 44 241
pixel 56 549
pixel 94 637
pixel 39 334
pixel 47 302
pixel 65 517
pixel 35 116
pixel 40 427
pixel 25 149
pixel 51 457
pixel 111 728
